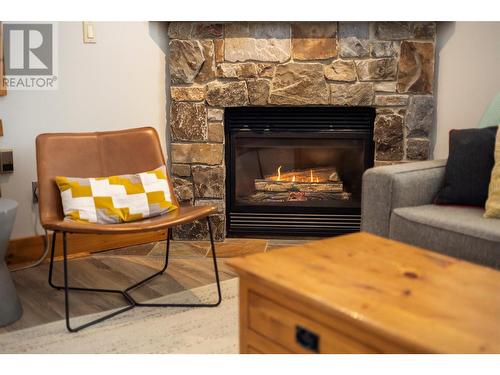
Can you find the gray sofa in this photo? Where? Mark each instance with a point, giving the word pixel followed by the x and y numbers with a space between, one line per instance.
pixel 397 203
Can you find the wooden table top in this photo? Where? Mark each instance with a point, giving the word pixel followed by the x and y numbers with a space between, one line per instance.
pixel 417 297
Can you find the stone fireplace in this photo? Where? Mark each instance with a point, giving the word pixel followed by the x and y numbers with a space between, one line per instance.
pixel 387 66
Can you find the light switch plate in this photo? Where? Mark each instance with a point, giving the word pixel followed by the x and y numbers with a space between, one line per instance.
pixel 89 32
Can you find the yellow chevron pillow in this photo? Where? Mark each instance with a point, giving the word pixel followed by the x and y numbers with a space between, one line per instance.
pixel 492 206
pixel 116 199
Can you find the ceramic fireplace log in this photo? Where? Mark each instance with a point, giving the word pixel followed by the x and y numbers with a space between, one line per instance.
pixel 268 196
pixel 286 186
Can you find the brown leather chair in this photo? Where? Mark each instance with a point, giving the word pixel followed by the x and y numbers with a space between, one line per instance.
pixel 97 155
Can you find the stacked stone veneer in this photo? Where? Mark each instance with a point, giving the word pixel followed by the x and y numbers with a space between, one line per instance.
pixel 386 65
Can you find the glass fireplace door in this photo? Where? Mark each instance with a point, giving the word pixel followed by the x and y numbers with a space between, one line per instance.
pixel 308 171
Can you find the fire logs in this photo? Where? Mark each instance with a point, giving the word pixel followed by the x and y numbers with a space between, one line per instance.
pixel 267 185
pixel 304 185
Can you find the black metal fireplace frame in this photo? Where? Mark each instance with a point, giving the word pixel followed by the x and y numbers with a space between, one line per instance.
pixel 312 122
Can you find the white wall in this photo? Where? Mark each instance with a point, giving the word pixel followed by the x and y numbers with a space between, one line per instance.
pixel 468 76
pixel 117 83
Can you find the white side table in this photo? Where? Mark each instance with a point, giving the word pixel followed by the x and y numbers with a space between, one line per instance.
pixel 10 307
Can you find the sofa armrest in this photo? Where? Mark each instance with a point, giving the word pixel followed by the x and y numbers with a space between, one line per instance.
pixel 402 185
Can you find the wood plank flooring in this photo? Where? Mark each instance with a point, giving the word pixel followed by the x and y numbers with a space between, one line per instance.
pixel 190 266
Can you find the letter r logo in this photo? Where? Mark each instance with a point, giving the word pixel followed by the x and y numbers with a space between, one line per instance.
pixel 28 49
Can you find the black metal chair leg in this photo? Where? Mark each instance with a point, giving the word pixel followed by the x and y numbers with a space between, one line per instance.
pixel 214 257
pixel 130 300
pixel 66 297
pixel 160 272
pixel 167 252
pixel 61 287
pixel 51 264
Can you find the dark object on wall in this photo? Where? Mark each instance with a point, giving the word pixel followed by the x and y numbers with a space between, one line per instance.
pixel 469 166
pixel 6 161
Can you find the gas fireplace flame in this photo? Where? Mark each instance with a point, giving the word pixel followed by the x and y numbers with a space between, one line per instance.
pixel 300 176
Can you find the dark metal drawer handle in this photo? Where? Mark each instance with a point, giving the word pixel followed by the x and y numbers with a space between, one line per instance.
pixel 307 339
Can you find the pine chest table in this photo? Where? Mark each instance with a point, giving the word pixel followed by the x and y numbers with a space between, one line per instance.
pixel 360 293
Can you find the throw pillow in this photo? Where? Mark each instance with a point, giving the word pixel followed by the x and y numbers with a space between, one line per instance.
pixel 116 199
pixel 468 170
pixel 493 202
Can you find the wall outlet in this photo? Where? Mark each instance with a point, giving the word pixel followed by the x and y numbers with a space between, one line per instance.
pixel 34 192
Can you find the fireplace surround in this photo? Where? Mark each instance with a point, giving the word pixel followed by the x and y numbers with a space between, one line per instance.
pixel 214 67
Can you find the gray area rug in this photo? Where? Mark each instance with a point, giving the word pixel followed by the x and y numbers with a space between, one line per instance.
pixel 143 330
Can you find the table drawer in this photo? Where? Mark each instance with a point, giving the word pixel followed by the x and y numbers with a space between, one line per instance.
pixel 297 332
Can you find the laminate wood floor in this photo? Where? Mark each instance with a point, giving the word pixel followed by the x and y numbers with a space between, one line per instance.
pixel 190 266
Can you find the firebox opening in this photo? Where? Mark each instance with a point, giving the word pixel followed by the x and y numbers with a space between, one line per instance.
pixel 306 171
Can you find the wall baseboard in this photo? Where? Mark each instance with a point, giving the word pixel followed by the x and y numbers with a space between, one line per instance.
pixel 29 249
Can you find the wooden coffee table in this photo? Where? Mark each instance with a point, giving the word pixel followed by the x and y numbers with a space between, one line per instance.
pixel 361 293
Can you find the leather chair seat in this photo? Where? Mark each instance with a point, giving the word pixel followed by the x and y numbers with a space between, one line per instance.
pixel 182 215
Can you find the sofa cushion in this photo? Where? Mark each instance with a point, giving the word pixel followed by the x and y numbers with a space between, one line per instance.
pixel 469 166
pixel 460 232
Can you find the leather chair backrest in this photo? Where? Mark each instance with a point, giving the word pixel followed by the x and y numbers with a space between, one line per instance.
pixel 98 154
